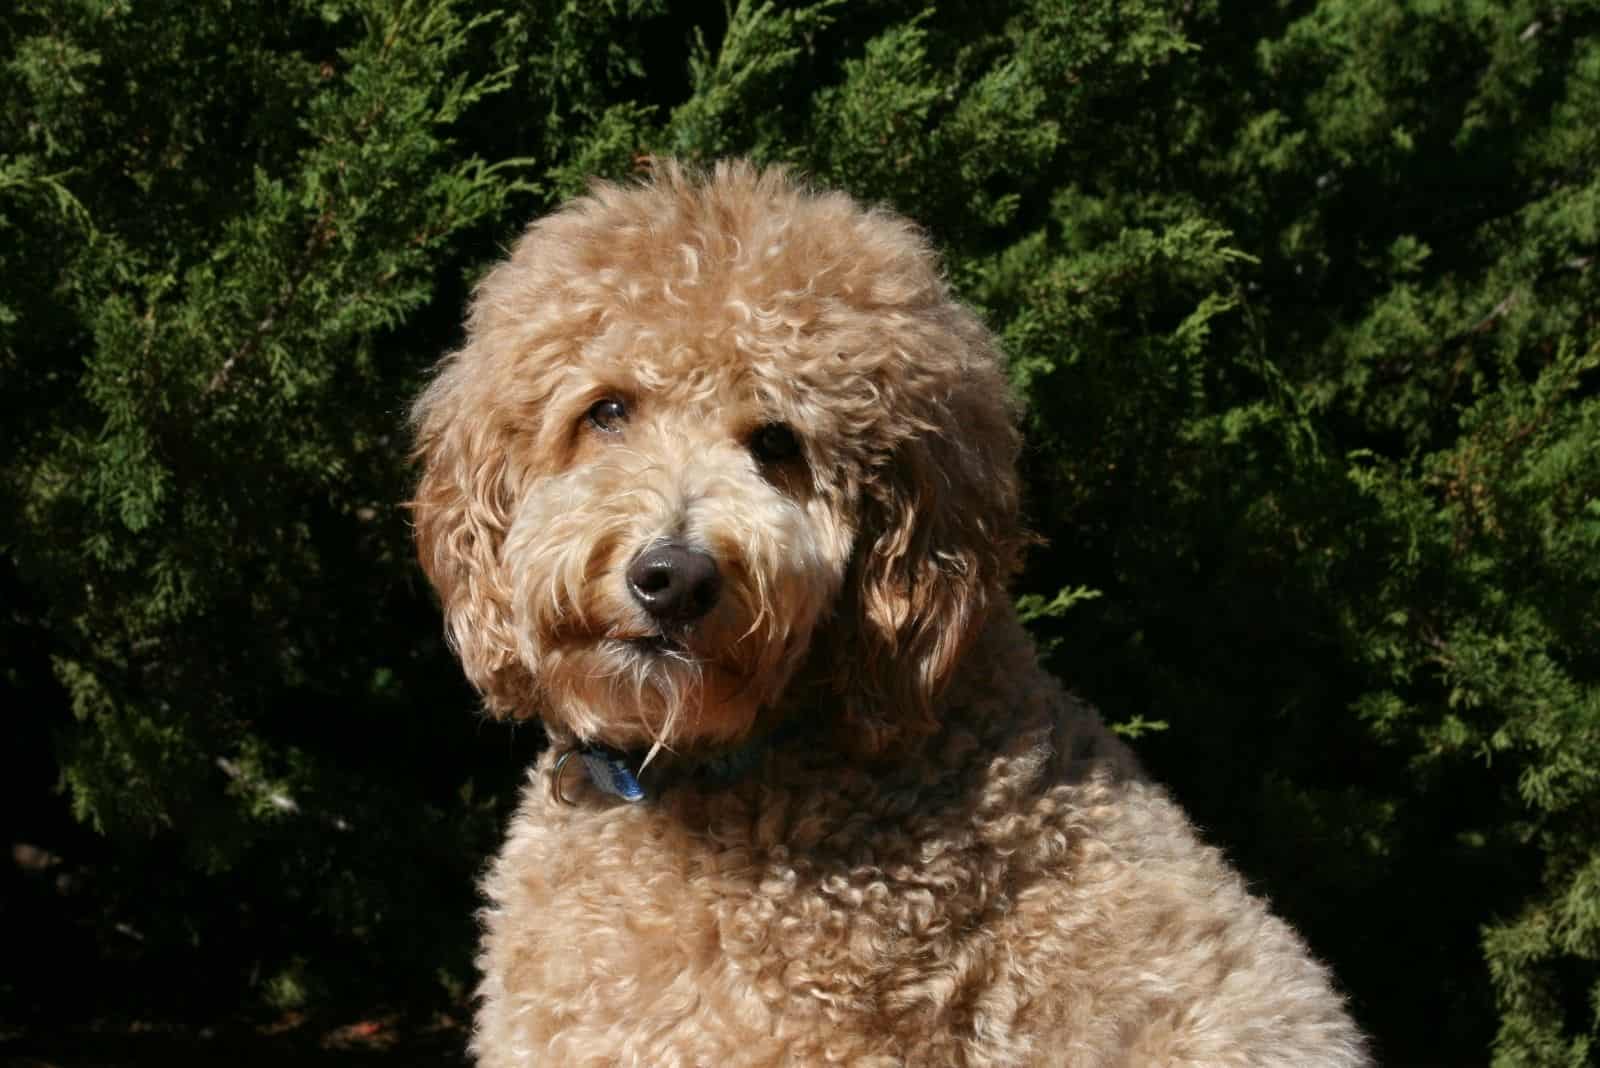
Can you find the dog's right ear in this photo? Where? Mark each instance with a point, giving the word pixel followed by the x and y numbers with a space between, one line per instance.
pixel 462 511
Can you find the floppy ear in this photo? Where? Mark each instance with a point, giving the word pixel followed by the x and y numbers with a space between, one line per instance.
pixel 462 512
pixel 938 539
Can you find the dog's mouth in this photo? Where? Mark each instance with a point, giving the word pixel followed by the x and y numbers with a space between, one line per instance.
pixel 660 645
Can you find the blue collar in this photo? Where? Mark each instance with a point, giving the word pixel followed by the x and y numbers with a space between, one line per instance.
pixel 613 771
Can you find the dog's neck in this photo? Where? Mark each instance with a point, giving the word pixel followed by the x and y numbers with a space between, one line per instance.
pixel 809 717
pixel 637 776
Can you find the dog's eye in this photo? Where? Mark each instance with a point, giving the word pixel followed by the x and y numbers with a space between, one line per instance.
pixel 774 443
pixel 608 415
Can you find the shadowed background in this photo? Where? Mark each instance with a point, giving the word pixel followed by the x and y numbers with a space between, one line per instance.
pixel 1301 296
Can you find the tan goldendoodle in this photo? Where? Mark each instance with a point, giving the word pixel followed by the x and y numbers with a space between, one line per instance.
pixel 722 486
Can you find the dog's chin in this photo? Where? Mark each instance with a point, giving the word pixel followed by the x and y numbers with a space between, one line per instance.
pixel 638 692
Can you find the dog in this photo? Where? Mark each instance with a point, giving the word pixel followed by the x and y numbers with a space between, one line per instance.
pixel 721 486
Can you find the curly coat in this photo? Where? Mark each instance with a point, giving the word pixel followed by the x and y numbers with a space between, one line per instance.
pixel 936 856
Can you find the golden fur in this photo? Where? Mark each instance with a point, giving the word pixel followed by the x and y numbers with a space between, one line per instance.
pixel 951 862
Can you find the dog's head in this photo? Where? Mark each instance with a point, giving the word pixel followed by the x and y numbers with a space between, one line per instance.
pixel 707 433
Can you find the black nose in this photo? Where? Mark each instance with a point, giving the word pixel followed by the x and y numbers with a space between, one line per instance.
pixel 674 583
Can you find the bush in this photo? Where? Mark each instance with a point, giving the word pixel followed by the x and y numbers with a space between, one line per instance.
pixel 1302 298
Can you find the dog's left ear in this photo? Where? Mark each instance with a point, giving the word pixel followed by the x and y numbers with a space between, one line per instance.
pixel 939 536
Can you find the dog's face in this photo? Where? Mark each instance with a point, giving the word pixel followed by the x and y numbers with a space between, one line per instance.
pixel 707 434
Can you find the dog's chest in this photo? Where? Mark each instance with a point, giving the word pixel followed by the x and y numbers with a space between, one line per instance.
pixel 747 923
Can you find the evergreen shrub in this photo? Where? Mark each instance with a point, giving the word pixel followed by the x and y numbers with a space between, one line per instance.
pixel 1302 298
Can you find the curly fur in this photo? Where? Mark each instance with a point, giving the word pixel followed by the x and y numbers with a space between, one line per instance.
pixel 955 864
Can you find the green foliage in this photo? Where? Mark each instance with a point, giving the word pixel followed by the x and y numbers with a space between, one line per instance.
pixel 1301 298
pixel 205 483
pixel 733 90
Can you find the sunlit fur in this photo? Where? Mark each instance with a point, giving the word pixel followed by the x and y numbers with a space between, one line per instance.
pixel 950 861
